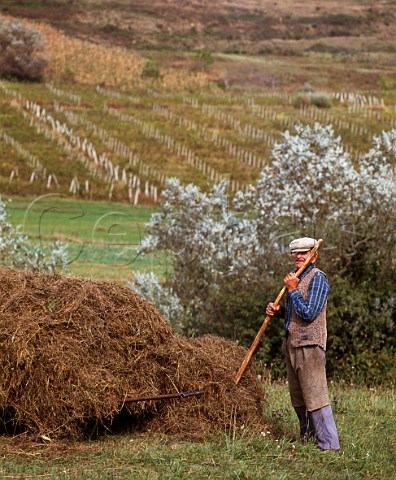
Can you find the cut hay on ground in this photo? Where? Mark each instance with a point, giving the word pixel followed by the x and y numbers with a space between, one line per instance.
pixel 73 350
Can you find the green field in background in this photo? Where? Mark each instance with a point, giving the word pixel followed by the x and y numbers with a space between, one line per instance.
pixel 102 238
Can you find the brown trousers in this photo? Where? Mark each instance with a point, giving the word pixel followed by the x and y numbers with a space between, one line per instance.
pixel 306 375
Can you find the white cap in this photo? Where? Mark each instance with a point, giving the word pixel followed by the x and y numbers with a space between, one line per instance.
pixel 302 244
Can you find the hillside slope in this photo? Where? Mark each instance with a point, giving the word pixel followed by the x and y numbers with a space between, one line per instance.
pixel 265 67
pixel 227 26
pixel 344 45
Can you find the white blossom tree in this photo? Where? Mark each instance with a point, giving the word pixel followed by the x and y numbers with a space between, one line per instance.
pixel 163 297
pixel 377 174
pixel 209 248
pixel 310 178
pixel 312 187
pixel 226 261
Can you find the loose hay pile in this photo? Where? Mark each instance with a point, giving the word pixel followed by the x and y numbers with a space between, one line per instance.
pixel 73 350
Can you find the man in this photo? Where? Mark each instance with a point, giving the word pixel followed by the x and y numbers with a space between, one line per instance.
pixel 305 346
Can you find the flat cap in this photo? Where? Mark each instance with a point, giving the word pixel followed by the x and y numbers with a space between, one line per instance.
pixel 302 244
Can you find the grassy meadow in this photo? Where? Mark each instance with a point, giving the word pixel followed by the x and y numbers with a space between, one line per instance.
pixel 102 238
pixel 364 417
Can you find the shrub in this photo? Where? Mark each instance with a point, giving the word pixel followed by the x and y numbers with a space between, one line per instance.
pixel 227 264
pixel 151 69
pixel 314 176
pixel 321 100
pixel 148 286
pixel 16 251
pixel 20 49
pixel 306 88
pixel 301 99
pixel 203 59
pixel 213 253
pixel 385 82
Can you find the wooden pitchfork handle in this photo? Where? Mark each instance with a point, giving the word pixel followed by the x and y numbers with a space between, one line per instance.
pixel 268 317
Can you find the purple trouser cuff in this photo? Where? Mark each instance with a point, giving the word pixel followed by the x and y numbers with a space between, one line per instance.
pixel 320 426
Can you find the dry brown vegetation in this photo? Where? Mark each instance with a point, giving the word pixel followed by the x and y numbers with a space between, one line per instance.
pixel 87 62
pixel 74 350
pixel 346 44
pixel 84 61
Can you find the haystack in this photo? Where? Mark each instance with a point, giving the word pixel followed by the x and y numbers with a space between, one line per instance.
pixel 73 350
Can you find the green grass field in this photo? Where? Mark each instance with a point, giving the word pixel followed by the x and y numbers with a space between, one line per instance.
pixel 102 238
pixel 365 420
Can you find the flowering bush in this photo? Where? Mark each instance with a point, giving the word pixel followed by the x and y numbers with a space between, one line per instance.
pixel 310 178
pixel 227 262
pixel 377 174
pixel 17 252
pixel 168 303
pixel 312 188
pixel 210 249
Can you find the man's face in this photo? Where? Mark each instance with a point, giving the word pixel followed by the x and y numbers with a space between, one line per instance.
pixel 300 257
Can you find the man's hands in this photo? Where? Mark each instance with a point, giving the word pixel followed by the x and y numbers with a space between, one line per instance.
pixel 272 309
pixel 291 281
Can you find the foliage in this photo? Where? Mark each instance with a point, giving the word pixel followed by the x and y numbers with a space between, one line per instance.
pixel 203 59
pixel 306 88
pixel 20 48
pixel 226 262
pixel 16 251
pixel 169 305
pixel 322 194
pixel 385 82
pixel 361 331
pixel 314 179
pixel 151 69
pixel 212 252
pixel 301 100
pixel 319 99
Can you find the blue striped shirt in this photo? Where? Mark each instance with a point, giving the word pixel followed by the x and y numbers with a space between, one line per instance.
pixel 309 309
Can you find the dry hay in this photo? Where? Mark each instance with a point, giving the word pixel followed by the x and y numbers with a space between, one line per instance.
pixel 211 363
pixel 73 350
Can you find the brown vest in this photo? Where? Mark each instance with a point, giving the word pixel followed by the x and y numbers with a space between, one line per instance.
pixel 302 333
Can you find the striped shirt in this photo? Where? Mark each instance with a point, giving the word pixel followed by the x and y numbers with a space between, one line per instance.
pixel 309 309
